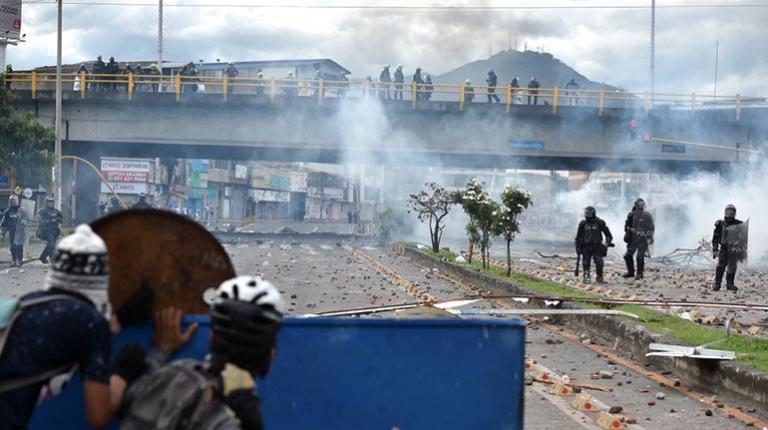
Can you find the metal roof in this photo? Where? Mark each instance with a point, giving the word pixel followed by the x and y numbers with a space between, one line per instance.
pixel 269 64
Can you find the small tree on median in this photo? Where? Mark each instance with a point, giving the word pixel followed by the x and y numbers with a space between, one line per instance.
pixel 473 234
pixel 432 204
pixel 479 207
pixel 514 200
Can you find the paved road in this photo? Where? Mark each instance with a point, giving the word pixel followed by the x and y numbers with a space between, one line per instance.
pixel 322 275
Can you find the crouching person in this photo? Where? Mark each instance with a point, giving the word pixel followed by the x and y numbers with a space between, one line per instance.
pixel 218 393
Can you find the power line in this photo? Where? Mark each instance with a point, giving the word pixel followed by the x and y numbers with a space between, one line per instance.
pixel 408 7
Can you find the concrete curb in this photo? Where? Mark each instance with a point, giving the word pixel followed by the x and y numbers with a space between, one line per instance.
pixel 630 339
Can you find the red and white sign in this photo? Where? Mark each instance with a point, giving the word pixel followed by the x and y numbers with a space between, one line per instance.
pixel 126 176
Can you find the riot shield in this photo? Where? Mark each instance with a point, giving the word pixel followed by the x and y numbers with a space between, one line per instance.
pixel 737 238
pixel 24 222
pixel 642 225
pixel 174 255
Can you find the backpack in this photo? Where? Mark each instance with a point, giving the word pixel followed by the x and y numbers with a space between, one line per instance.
pixel 10 310
pixel 179 396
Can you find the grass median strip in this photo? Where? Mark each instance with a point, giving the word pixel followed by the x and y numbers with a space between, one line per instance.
pixel 752 352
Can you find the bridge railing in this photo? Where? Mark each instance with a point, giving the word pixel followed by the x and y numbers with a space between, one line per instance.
pixel 417 94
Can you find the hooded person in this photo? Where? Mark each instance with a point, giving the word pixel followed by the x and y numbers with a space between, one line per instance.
pixel 246 315
pixel 728 247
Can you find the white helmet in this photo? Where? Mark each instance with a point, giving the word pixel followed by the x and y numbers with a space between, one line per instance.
pixel 250 289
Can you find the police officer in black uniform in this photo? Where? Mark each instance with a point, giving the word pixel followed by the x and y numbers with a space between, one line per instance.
pixel 638 234
pixel 142 203
pixel 492 80
pixel 49 231
pixel 589 243
pixel 11 220
pixel 727 258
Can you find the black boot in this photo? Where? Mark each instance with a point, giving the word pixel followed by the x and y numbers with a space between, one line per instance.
pixel 729 282
pixel 718 278
pixel 599 272
pixel 630 267
pixel 640 269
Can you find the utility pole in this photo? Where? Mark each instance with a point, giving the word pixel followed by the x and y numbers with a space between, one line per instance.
pixel 653 50
pixel 717 58
pixel 57 116
pixel 160 39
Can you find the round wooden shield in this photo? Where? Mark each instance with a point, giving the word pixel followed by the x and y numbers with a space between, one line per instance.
pixel 174 255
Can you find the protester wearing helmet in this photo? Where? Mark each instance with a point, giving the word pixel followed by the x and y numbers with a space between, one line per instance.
pixel 246 315
pixel 399 80
pixel 48 230
pixel 724 248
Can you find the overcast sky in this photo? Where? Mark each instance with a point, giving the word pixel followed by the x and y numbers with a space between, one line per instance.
pixel 606 44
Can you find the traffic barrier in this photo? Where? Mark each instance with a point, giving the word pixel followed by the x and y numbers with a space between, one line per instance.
pixel 336 373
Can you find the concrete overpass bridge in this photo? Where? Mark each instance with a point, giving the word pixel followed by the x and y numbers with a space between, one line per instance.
pixel 434 133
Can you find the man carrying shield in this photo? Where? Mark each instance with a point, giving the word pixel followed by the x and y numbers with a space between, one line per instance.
pixel 638 235
pixel 729 246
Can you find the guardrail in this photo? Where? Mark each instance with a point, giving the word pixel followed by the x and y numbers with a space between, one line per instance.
pixel 273 89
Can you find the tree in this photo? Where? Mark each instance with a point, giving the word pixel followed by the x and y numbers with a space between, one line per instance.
pixel 432 204
pixel 25 145
pixel 391 224
pixel 479 207
pixel 514 200
pixel 473 234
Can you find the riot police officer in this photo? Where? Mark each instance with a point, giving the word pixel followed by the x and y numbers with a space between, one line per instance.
pixel 12 225
pixel 729 245
pixel 589 243
pixel 49 231
pixel 142 203
pixel 638 234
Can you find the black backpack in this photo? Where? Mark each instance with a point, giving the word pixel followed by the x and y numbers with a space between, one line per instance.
pixel 179 396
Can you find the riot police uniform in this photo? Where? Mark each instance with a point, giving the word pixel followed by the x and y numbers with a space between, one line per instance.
pixel 638 234
pixel 589 243
pixel 12 224
pixel 49 231
pixel 729 247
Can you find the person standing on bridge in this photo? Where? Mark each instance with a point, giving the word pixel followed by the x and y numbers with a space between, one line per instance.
pixel 638 235
pixel 572 91
pixel 533 90
pixel 514 89
pixel 492 80
pixel 112 69
pixel 729 246
pixel 428 87
pixel 99 69
pixel 232 73
pixel 384 80
pixel 399 80
pixel 589 243
pixel 49 231
pixel 154 73
pixel 469 92
pixel 418 80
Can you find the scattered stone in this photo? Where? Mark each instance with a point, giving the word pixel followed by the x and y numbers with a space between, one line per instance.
pixel 708 413
pixel 661 396
pixel 615 410
pixel 651 403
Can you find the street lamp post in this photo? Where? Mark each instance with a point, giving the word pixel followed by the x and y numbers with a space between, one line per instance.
pixel 57 118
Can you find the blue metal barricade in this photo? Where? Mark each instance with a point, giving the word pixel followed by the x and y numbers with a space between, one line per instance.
pixel 368 374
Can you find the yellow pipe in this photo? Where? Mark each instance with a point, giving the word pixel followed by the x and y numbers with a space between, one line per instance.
pixel 602 102
pixel 33 85
pixel 509 96
pixel 130 86
pixel 319 92
pixel 98 172
pixel 83 85
pixel 178 87
pixel 555 94
pixel 413 95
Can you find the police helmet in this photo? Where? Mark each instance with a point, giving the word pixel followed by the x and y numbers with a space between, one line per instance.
pixel 730 211
pixel 640 204
pixel 590 212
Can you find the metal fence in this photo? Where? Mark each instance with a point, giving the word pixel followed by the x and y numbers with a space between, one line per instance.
pixel 273 89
